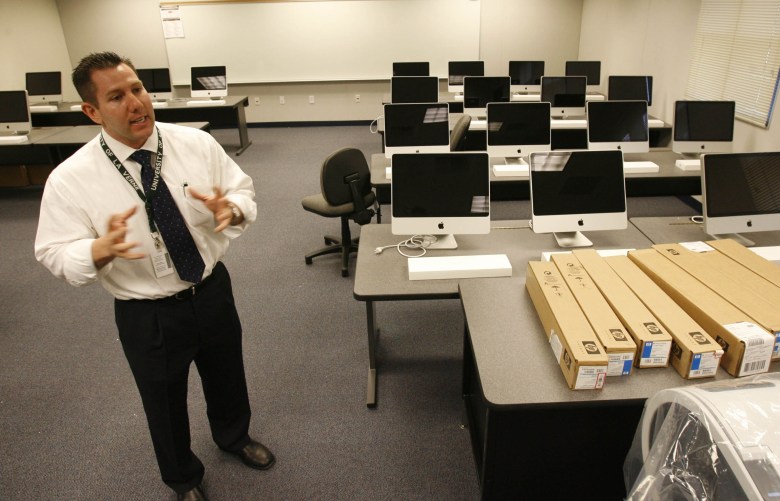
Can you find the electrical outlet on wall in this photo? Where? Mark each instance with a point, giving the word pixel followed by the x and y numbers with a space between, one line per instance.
pixel 311 99
pixel 357 98
pixel 281 99
pixel 257 100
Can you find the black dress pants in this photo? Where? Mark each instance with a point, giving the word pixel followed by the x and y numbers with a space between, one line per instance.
pixel 161 338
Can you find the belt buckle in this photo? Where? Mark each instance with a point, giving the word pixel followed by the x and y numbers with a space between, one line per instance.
pixel 186 293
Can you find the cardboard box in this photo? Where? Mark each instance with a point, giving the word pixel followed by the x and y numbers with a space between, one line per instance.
pixel 614 337
pixel 653 342
pixel 747 348
pixel 12 176
pixel 747 258
pixel 695 354
pixel 732 281
pixel 575 346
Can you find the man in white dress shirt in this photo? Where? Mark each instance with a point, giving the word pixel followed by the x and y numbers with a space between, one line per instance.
pixel 100 222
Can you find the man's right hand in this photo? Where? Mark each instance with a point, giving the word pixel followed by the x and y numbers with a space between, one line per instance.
pixel 112 245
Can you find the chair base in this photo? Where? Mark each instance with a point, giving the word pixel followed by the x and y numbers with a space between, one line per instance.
pixel 334 245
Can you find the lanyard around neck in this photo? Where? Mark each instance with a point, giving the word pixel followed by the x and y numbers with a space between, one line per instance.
pixel 145 197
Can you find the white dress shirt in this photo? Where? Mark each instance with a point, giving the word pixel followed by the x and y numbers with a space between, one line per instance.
pixel 84 191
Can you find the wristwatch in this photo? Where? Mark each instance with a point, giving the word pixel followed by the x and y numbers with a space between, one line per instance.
pixel 236 213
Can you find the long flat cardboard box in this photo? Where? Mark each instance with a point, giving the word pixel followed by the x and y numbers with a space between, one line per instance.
pixel 614 337
pixel 747 258
pixel 653 342
pixel 695 354
pixel 575 346
pixel 747 347
pixel 735 283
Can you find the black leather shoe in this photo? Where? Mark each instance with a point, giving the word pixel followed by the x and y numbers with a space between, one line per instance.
pixel 256 455
pixel 194 494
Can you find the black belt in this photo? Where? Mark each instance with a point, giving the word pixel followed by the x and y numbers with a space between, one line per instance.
pixel 191 290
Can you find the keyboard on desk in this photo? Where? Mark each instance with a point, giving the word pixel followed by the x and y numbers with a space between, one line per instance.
pixel 209 102
pixel 568 123
pixel 13 139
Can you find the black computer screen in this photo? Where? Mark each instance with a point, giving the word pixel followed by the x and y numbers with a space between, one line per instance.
pixel 208 77
pixel 589 182
pixel 478 91
pixel 738 184
pixel 562 92
pixel 526 72
pixel 588 69
pixel 155 79
pixel 418 124
pixel 44 83
pixel 518 124
pixel 13 106
pixel 630 88
pixel 460 69
pixel 704 120
pixel 414 89
pixel 411 69
pixel 617 121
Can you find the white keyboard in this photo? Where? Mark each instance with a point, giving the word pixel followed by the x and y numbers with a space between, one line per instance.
pixel 683 164
pixel 526 97
pixel 566 123
pixel 40 108
pixel 508 170
pixel 639 167
pixel 477 124
pixel 75 107
pixel 654 122
pixel 442 267
pixel 159 104
pixel 389 172
pixel 210 102
pixel 13 139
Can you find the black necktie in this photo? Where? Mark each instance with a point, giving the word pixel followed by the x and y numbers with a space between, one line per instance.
pixel 170 223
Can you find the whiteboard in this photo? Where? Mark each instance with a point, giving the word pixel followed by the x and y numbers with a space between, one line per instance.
pixel 324 40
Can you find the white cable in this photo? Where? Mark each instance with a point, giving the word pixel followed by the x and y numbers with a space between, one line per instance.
pixel 421 242
pixel 373 127
pixel 697 219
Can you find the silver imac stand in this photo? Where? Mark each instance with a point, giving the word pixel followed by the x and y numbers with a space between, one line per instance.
pixel 568 239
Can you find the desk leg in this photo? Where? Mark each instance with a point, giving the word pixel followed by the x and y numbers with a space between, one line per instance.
pixel 373 334
pixel 243 134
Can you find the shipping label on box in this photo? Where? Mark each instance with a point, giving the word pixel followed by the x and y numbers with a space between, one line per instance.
pixel 575 345
pixel 653 342
pixel 758 347
pixel 614 337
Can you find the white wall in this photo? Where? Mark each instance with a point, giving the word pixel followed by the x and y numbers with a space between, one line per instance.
pixel 33 40
pixel 655 37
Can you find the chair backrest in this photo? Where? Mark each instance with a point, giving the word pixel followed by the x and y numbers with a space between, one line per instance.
pixel 459 132
pixel 346 178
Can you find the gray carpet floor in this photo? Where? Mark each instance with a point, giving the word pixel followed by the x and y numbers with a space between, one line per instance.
pixel 71 422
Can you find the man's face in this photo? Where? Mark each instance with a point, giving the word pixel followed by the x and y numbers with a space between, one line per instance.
pixel 124 108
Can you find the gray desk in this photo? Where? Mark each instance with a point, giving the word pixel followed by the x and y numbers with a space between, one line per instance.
pixel 32 151
pixel 522 417
pixel 384 277
pixel 228 115
pixel 661 230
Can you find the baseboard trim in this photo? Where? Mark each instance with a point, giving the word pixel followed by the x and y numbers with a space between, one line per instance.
pixel 309 124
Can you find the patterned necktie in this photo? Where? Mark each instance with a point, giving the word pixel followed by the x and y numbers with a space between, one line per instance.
pixel 170 223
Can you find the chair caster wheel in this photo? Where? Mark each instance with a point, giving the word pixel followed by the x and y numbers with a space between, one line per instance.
pixel 308 260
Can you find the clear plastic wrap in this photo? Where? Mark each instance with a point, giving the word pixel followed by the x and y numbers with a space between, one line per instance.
pixel 714 441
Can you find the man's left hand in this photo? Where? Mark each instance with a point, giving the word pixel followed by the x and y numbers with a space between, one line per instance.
pixel 220 207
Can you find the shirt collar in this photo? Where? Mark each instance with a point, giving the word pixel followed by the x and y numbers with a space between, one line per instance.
pixel 123 152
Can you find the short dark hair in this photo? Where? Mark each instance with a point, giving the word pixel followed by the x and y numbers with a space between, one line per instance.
pixel 82 74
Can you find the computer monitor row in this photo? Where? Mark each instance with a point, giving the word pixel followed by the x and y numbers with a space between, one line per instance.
pixel 514 130
pixel 45 87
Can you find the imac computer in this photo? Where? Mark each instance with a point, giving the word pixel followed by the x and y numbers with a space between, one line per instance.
pixel 622 88
pixel 618 125
pixel 702 127
pixel 566 95
pixel 526 76
pixel 515 130
pixel 576 191
pixel 157 82
pixel 457 70
pixel 479 91
pixel 44 90
pixel 14 116
pixel 209 82
pixel 416 128
pixel 440 194
pixel 741 194
pixel 591 70
pixel 414 89
pixel 411 69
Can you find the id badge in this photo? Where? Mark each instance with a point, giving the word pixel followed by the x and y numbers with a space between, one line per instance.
pixel 161 260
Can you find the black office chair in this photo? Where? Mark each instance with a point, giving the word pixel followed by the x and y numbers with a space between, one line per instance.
pixel 345 182
pixel 458 134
